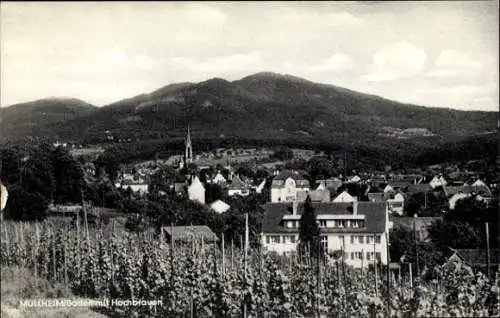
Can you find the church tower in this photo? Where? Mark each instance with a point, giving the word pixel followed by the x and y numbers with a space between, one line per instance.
pixel 188 156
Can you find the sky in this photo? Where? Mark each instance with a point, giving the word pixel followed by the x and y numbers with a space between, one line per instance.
pixel 442 54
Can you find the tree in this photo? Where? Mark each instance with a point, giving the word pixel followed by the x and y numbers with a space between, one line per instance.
pixel 283 154
pixel 69 177
pixel 25 206
pixel 320 168
pixel 309 233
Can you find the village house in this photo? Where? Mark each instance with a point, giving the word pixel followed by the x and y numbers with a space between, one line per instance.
pixel 357 229
pixel 196 190
pixel 218 179
pixel 238 187
pixel 457 193
pixel 190 234
pixel 475 259
pixel 288 186
pixel 395 204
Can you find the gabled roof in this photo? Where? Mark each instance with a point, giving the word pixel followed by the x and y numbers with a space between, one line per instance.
pixel 419 188
pixel 188 233
pixel 344 197
pixel 237 184
pixel 481 190
pixel 375 218
pixel 478 257
pixel 399 184
pixel 285 174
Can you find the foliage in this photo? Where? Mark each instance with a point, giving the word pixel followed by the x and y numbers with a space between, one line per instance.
pixel 200 281
pixel 283 154
pixel 309 234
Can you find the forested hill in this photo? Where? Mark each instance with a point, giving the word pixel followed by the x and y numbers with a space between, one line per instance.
pixel 266 106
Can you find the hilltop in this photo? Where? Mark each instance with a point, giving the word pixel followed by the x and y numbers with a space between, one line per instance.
pixel 19 120
pixel 267 106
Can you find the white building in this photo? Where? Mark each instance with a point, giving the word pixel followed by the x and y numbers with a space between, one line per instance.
pixel 288 186
pixel 357 230
pixel 196 190
pixel 396 204
pixel 438 182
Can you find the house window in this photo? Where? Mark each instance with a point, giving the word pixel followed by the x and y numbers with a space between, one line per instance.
pixel 268 239
pixel 368 239
pixel 322 223
pixel 368 255
pixel 360 255
pixel 352 255
pixel 377 239
pixel 361 239
pixel 275 239
pixel 341 240
pixel 354 224
pixel 292 239
pixel 324 242
pixel 378 256
pixel 352 239
pixel 346 255
pixel 342 223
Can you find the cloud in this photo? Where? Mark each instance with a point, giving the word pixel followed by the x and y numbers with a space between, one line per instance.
pixel 220 64
pixel 400 60
pixel 199 13
pixel 336 62
pixel 344 19
pixel 318 19
pixel 452 63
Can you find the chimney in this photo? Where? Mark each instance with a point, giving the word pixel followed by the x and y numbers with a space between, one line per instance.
pixel 294 207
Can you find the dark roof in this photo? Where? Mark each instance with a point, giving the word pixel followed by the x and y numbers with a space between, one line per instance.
pixel 407 222
pixel 419 188
pixel 399 184
pixel 237 184
pixel 285 174
pixel 375 218
pixel 187 233
pixel 478 257
pixel 481 190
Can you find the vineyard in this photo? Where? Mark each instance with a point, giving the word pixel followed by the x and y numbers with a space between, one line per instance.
pixel 201 280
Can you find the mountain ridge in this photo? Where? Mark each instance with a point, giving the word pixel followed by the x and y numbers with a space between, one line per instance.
pixel 263 105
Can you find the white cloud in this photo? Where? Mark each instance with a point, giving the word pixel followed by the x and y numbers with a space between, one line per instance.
pixel 455 58
pixel 204 14
pixel 228 63
pixel 343 19
pixel 452 63
pixel 336 62
pixel 400 60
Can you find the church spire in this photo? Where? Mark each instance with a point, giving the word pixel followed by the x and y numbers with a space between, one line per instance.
pixel 188 156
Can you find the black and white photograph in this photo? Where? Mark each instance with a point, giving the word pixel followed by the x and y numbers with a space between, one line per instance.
pixel 254 159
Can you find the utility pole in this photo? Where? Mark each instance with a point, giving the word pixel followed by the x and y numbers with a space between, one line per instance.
pixel 416 244
pixel 487 249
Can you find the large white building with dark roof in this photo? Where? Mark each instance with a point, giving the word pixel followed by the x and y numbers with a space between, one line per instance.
pixel 357 229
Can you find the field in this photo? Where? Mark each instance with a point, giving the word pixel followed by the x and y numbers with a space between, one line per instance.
pixel 201 280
